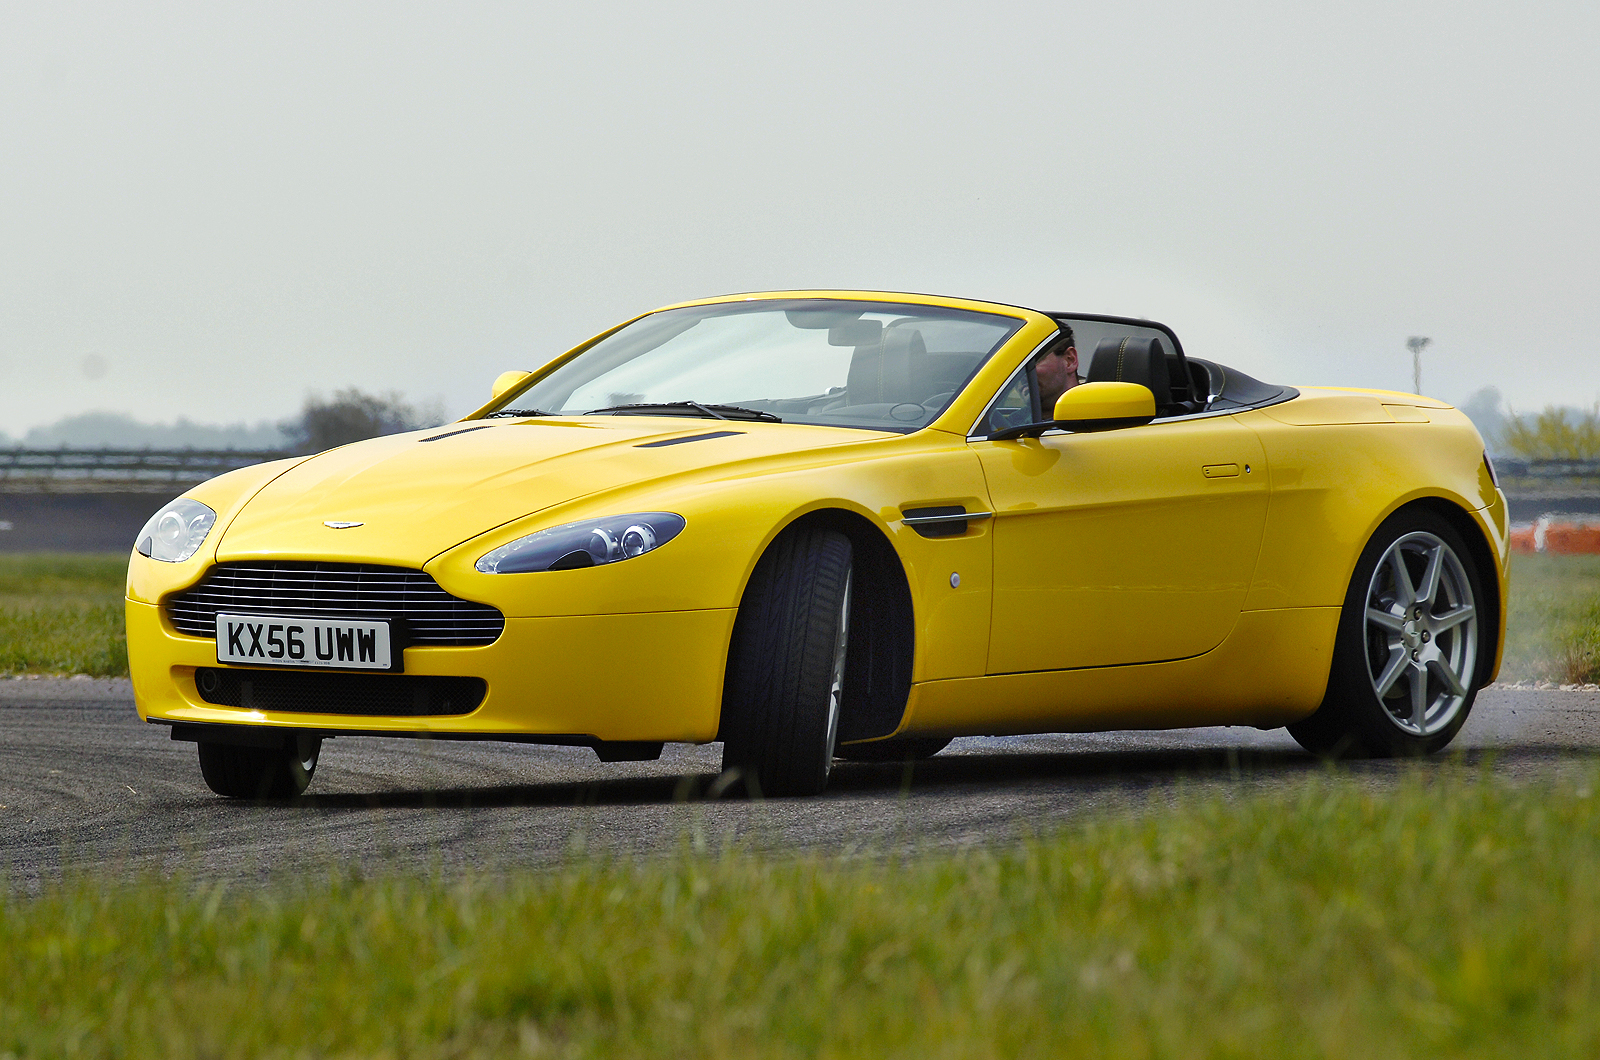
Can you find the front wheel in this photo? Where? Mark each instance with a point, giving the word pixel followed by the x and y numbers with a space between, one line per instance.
pixel 780 714
pixel 1406 660
pixel 260 772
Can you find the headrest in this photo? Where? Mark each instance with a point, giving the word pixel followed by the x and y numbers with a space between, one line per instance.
pixel 1131 360
pixel 890 370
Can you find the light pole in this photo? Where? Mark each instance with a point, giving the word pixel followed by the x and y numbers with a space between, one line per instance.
pixel 1415 344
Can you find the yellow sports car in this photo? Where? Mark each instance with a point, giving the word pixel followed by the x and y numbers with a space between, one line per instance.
pixel 837 524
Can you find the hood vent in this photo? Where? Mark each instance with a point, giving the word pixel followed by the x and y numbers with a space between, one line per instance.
pixel 690 438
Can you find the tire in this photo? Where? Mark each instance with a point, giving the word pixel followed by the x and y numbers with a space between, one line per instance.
pixel 260 772
pixel 781 706
pixel 899 749
pixel 1407 660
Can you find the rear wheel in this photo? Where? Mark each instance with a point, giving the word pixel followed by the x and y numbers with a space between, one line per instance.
pixel 1406 661
pixel 899 749
pixel 260 772
pixel 780 716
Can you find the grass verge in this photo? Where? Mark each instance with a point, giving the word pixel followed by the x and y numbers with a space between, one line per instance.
pixel 62 614
pixel 1553 624
pixel 1456 916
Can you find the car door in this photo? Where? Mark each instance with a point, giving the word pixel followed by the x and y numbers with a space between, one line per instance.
pixel 1123 546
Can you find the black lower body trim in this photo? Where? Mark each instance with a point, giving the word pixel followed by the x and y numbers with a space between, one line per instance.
pixel 278 736
pixel 301 692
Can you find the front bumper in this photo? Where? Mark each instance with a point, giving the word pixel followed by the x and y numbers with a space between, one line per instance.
pixel 651 676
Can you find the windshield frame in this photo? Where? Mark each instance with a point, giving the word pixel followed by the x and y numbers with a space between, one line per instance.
pixel 1016 320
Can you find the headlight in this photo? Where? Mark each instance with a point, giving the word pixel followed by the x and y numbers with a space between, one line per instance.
pixel 586 544
pixel 175 532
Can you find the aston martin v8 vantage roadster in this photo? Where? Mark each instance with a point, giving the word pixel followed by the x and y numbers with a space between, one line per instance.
pixel 823 525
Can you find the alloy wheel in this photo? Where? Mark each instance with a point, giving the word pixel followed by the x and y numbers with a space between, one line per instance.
pixel 1421 630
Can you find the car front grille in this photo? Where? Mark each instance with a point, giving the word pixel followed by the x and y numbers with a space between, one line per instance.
pixel 338 693
pixel 335 590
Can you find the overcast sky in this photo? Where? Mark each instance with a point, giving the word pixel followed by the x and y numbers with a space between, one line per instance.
pixel 210 210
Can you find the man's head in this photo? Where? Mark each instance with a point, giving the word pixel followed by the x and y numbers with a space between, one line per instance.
pixel 1057 371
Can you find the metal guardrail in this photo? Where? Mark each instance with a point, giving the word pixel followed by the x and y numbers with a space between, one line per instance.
pixel 1509 467
pixel 155 470
pixel 120 470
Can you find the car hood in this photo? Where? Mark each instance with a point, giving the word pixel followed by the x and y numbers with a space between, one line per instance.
pixel 416 495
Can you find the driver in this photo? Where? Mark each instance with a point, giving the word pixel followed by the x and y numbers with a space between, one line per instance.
pixel 1057 372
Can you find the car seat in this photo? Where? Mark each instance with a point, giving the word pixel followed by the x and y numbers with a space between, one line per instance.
pixel 1146 361
pixel 893 370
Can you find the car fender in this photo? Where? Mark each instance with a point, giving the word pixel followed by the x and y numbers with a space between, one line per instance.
pixel 734 513
pixel 1335 484
pixel 227 494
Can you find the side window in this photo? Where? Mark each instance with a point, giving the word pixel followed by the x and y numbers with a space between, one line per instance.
pixel 1103 349
pixel 1017 404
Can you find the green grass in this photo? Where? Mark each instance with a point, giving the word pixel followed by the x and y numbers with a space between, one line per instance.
pixel 1553 625
pixel 1458 915
pixel 62 614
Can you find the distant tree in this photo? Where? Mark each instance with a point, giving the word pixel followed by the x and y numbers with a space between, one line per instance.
pixel 1483 409
pixel 351 416
pixel 1554 434
pixel 118 430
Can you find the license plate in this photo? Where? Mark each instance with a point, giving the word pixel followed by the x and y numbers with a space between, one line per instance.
pixel 265 640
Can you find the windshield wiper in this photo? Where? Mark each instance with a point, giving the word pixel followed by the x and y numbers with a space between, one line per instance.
pixel 507 414
pixel 690 408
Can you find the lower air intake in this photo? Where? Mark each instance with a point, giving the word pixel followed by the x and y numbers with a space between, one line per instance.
pixel 396 695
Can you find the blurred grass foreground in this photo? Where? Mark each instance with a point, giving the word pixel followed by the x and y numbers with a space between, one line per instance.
pixel 62 614
pixel 1455 915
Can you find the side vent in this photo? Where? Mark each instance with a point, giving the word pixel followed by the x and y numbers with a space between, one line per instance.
pixel 946 521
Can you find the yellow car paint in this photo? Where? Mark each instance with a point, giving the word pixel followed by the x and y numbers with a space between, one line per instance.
pixel 414 492
pixel 1271 671
pixel 1115 547
pixel 1106 401
pixel 227 494
pixel 533 685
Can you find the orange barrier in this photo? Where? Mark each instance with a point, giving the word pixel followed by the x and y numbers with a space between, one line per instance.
pixel 1565 539
pixel 1572 539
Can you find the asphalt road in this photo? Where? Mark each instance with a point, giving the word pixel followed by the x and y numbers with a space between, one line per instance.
pixel 84 783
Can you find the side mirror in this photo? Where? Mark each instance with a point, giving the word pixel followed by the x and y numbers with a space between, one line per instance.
pixel 1105 407
pixel 507 381
pixel 1092 407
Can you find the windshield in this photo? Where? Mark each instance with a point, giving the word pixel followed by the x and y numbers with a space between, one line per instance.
pixel 840 363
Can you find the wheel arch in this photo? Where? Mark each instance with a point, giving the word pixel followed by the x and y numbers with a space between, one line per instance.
pixel 882 648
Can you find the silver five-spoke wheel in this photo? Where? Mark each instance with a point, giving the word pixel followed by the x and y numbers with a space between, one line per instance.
pixel 1421 633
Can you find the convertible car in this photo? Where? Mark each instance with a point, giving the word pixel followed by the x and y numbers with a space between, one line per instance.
pixel 823 525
